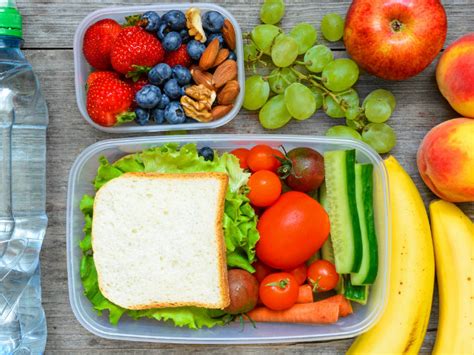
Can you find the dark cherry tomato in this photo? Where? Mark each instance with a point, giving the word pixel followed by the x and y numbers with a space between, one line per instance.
pixel 279 291
pixel 322 275
pixel 241 154
pixel 299 273
pixel 243 291
pixel 265 188
pixel 262 157
pixel 262 270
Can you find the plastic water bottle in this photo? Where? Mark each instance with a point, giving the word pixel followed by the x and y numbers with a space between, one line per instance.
pixel 23 122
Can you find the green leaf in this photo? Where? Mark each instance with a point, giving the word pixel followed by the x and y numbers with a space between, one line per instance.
pixel 124 117
pixel 105 173
pixel 87 204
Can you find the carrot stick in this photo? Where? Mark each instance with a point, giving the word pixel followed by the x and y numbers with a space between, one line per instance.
pixel 305 294
pixel 314 312
pixel 345 307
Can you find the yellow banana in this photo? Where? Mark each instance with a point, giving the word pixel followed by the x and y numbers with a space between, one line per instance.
pixel 402 327
pixel 453 237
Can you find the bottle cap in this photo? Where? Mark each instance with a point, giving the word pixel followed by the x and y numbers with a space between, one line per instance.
pixel 10 19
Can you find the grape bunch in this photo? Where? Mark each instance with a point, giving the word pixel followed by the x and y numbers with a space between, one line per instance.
pixel 306 77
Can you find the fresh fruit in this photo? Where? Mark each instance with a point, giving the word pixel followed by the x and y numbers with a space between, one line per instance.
pixel 343 132
pixel 404 321
pixel 148 97
pixel 159 74
pixel 453 239
pixel 212 21
pixel 257 91
pixel 265 188
pixel 284 51
pixel 182 75
pixel 243 291
pixel 262 157
pixel 98 42
pixel 263 37
pixel 142 116
pixel 278 291
pixel 336 106
pixel 379 136
pixel 299 273
pixel 322 275
pixel 455 75
pixel 207 153
pixel 395 40
pixel 158 115
pixel 152 21
pixel 340 74
pixel 317 57
pixel 100 75
pixel 302 169
pixel 291 230
pixel 446 160
pixel 300 101
pixel 262 270
pixel 280 78
pixel 382 95
pixel 377 111
pixel 178 57
pixel 274 114
pixel 174 19
pixel 272 11
pixel 108 102
pixel 305 36
pixel 241 154
pixel 135 47
pixel 332 27
pixel 172 41
pixel 172 89
pixel 195 49
pixel 174 113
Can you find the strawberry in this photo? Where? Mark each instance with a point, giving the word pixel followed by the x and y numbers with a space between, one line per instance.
pixel 179 56
pixel 135 47
pixel 109 101
pixel 137 85
pixel 98 41
pixel 100 75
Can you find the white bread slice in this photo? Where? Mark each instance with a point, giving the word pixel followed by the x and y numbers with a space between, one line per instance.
pixel 158 240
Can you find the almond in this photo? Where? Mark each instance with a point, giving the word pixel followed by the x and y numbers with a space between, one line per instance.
pixel 221 56
pixel 228 33
pixel 202 78
pixel 228 93
pixel 209 56
pixel 220 111
pixel 224 72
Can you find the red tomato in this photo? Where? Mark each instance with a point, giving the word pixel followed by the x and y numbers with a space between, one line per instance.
pixel 291 231
pixel 262 157
pixel 322 275
pixel 262 270
pixel 279 291
pixel 265 188
pixel 299 273
pixel 277 154
pixel 241 154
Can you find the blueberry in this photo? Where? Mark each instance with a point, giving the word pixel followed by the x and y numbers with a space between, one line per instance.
pixel 165 100
pixel 207 153
pixel 162 31
pixel 142 116
pixel 175 20
pixel 182 90
pixel 153 20
pixel 172 41
pixel 195 49
pixel 215 35
pixel 182 75
pixel 158 115
pixel 174 113
pixel 185 37
pixel 159 74
pixel 172 89
pixel 148 96
pixel 212 21
pixel 232 56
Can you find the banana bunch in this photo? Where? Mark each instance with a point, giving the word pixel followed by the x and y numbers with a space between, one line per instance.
pixel 453 237
pixel 402 327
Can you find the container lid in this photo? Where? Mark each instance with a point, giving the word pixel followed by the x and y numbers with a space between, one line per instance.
pixel 10 19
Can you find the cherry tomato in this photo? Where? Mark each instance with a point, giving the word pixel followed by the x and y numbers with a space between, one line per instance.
pixel 322 275
pixel 303 169
pixel 241 154
pixel 265 188
pixel 262 157
pixel 299 273
pixel 291 231
pixel 279 291
pixel 262 270
pixel 277 154
pixel 243 291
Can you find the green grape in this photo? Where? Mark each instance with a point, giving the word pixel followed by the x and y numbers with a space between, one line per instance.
pixel 382 94
pixel 263 37
pixel 352 113
pixel 377 110
pixel 379 136
pixel 318 96
pixel 274 114
pixel 340 74
pixel 300 101
pixel 257 91
pixel 317 57
pixel 332 27
pixel 280 79
pixel 348 100
pixel 357 124
pixel 344 132
pixel 250 52
pixel 284 51
pixel 272 11
pixel 305 35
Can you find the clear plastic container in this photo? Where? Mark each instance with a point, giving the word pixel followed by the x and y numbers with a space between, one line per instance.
pixel 82 68
pixel 83 172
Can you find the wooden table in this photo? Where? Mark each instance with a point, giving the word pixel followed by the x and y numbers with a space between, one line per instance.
pixel 49 27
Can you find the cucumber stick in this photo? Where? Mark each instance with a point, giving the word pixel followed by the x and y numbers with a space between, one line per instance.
pixel 355 293
pixel 327 252
pixel 364 198
pixel 346 239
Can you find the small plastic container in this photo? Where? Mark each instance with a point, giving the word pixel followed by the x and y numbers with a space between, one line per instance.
pixel 82 68
pixel 84 171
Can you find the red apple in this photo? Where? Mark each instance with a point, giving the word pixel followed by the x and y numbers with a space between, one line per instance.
pixel 395 39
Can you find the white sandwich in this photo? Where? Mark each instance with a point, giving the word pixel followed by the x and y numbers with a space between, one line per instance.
pixel 158 240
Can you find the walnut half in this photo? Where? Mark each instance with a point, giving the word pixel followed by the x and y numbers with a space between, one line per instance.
pixel 194 24
pixel 197 103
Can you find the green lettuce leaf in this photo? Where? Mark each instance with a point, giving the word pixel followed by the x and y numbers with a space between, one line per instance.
pixel 240 226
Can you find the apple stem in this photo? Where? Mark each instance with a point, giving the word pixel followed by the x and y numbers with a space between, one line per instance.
pixel 396 25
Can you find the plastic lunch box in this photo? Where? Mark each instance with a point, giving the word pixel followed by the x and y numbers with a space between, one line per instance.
pixel 83 172
pixel 82 68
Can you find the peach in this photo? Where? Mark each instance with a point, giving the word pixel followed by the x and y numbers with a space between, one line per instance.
pixel 455 75
pixel 446 160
